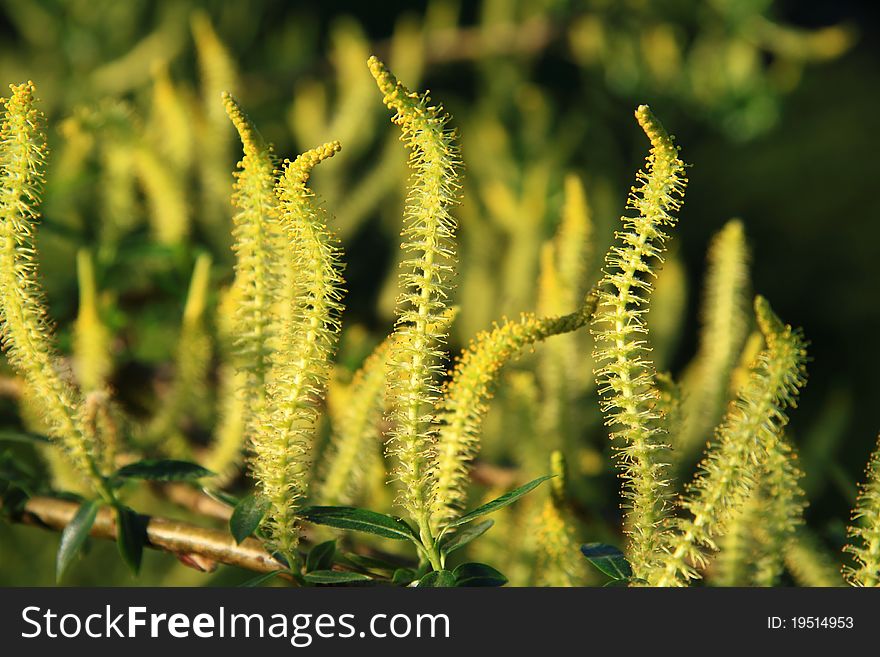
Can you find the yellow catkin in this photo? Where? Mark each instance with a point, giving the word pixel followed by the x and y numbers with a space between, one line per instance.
pixel 227 445
pixel 166 197
pixel 557 562
pixel 753 548
pixel 864 532
pixel 93 361
pixel 464 403
pixel 429 245
pixel 724 325
pixel 625 378
pixel 258 270
pixel 782 502
pixel 26 334
pixel 214 147
pixel 283 434
pixel 188 392
pixel 171 127
pixel 355 434
pixel 733 464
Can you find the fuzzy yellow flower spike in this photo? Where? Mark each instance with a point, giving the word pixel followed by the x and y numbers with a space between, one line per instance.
pixel 428 240
pixel 625 378
pixel 282 435
pixel 464 402
pixel 747 438
pixel 865 532
pixel 26 333
pixel 256 242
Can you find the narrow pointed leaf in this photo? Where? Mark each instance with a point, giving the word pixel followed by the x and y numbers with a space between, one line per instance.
pixel 347 517
pixel 247 516
pixel 74 536
pixel 321 556
pixel 478 574
pixel 261 579
pixel 163 470
pixel 131 536
pixel 500 502
pixel 459 539
pixel 608 559
pixel 335 577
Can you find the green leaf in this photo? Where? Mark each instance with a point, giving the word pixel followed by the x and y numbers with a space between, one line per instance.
pixel 163 470
pixel 23 437
pixel 403 576
pixel 321 556
pixel 348 517
pixel 478 574
pixel 363 562
pixel 74 536
pixel 335 577
pixel 131 536
pixel 221 496
pixel 459 539
pixel 261 578
pixel 499 503
pixel 608 559
pixel 247 516
pixel 437 579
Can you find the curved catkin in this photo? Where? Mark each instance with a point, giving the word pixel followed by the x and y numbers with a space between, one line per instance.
pixel 256 242
pixel 735 460
pixel 282 436
pixel 26 333
pixel 429 242
pixel 724 325
pixel 355 435
pixel 625 378
pixel 864 533
pixel 464 403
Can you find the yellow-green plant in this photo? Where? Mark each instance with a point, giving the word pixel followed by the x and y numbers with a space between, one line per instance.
pixel 299 367
pixel 557 562
pixel 279 320
pixel 93 360
pixel 428 234
pixel 725 322
pixel 27 336
pixel 625 377
pixel 744 443
pixel 355 437
pixel 864 545
pixel 188 390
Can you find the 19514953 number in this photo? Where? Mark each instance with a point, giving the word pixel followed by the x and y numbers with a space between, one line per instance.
pixel 810 623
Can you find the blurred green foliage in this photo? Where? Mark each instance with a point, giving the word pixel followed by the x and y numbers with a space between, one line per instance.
pixel 772 103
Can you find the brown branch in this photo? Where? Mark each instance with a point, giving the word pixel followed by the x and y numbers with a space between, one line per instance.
pixel 194 500
pixel 195 546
